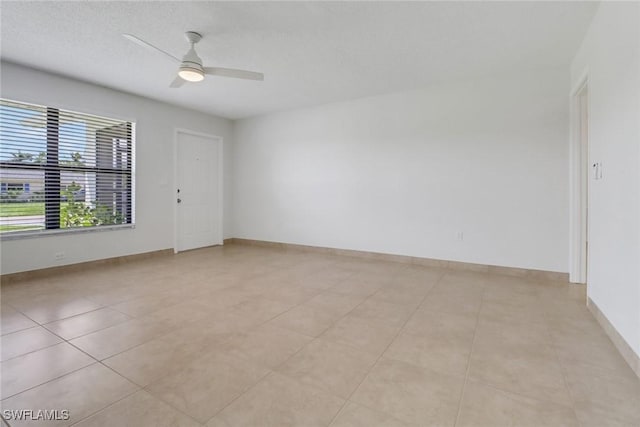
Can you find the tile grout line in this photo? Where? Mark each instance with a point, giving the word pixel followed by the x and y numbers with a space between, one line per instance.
pixel 96 360
pixel 466 375
pixel 61 342
pixel 299 350
pixel 474 343
pixel 64 341
pixel 87 333
pixel 174 330
pixel 271 371
pixel 519 394
pixel 244 392
pixel 333 322
pixel 120 352
pixel 526 396
pixel 38 349
pixel 50 380
pixel 139 389
pixel 252 328
pixel 43 324
pixel 146 390
pixel 105 407
pixel 562 369
pixel 347 400
pixel 384 351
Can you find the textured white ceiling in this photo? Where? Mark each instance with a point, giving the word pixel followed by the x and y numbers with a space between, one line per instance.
pixel 310 52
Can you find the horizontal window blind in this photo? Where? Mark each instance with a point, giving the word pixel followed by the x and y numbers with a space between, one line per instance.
pixel 63 170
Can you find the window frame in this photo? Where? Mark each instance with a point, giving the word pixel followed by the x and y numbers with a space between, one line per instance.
pixel 51 133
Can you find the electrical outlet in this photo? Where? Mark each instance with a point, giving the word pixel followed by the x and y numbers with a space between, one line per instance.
pixel 59 255
pixel 459 236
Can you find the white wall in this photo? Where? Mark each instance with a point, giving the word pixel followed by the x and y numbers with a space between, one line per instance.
pixel 611 54
pixel 155 197
pixel 403 173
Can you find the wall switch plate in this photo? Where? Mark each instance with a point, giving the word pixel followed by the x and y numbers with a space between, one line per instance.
pixel 597 170
pixel 459 236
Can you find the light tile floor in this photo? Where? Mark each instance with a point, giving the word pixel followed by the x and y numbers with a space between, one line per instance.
pixel 248 336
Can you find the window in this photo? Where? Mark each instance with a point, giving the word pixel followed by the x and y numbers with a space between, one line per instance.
pixel 62 170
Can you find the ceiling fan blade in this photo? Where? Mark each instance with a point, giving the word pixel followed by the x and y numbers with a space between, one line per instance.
pixel 144 44
pixel 177 82
pixel 230 72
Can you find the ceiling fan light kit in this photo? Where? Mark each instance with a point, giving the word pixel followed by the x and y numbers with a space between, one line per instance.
pixel 190 73
pixel 191 68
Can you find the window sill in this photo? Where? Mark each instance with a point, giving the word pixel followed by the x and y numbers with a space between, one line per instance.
pixel 63 232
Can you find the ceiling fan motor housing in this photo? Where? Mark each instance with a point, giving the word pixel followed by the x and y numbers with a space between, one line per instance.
pixel 191 66
pixel 194 66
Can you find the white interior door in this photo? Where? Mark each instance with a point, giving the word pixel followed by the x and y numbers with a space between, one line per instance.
pixel 199 191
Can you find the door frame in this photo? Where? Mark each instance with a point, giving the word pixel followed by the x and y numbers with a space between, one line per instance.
pixel 579 179
pixel 219 141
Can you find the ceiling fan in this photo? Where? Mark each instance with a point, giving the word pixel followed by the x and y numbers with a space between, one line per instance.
pixel 191 68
